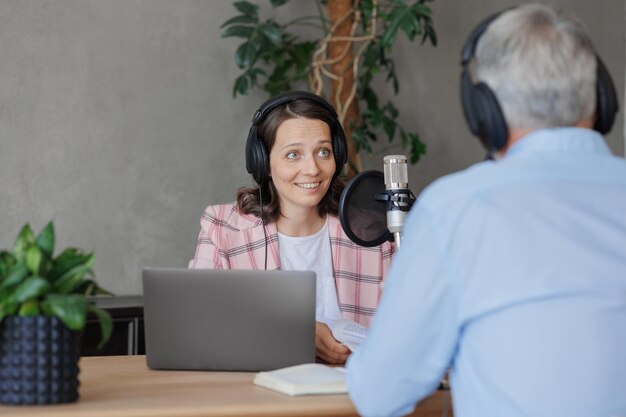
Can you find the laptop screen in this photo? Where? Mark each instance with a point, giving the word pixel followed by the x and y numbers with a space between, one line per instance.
pixel 228 320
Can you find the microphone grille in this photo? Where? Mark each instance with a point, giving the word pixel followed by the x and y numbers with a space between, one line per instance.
pixel 395 170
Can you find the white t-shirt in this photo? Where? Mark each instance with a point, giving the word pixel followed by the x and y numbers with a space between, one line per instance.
pixel 312 253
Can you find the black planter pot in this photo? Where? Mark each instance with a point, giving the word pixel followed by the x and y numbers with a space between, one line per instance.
pixel 38 361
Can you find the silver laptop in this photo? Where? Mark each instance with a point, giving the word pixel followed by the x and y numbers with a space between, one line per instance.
pixel 228 320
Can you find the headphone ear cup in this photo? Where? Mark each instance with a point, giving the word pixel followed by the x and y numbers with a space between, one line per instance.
pixel 257 159
pixel 492 129
pixel 606 99
pixel 340 148
pixel 469 107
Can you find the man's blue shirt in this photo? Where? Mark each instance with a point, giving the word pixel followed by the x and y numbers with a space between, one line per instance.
pixel 512 274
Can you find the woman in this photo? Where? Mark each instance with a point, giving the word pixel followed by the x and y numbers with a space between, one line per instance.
pixel 295 152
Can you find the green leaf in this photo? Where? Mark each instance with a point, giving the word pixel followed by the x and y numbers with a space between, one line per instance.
pixel 430 34
pixel 367 8
pixel 370 98
pixel 421 10
pixel 70 258
pixel 45 240
pixel 16 274
pixel 24 240
pixel 246 20
pixel 275 87
pixel 241 85
pixel 410 27
pixel 71 309
pixel 391 76
pixel 7 260
pixel 374 116
pixel 29 289
pixel 33 259
pixel 418 148
pixel 290 65
pixel 391 110
pixel 302 53
pixel 246 55
pixel 46 309
pixel 106 323
pixel 389 126
pixel 239 32
pixel 272 32
pixel 247 8
pixel 253 73
pixel 70 280
pixel 359 138
pixel 391 30
pixel 29 308
pixel 277 3
pixel 371 57
pixel 89 287
pixel 6 309
pixel 406 18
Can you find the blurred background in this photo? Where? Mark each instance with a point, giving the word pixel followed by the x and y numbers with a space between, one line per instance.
pixel 118 122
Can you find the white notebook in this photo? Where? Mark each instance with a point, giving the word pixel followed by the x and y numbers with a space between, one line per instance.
pixel 306 379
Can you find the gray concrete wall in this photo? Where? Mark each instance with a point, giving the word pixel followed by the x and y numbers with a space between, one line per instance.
pixel 117 119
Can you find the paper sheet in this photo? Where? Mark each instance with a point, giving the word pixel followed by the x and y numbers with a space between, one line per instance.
pixel 349 333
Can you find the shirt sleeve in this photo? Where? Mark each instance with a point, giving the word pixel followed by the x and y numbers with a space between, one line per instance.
pixel 413 336
pixel 209 254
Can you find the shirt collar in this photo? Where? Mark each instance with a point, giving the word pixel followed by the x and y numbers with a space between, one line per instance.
pixel 562 139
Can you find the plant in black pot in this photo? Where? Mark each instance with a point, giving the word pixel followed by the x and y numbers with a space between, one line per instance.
pixel 43 308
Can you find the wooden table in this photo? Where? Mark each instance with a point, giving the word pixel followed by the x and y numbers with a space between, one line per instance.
pixel 124 386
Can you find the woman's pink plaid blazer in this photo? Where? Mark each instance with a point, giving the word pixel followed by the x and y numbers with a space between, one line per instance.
pixel 231 240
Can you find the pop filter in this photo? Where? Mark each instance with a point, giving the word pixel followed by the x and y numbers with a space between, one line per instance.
pixel 363 217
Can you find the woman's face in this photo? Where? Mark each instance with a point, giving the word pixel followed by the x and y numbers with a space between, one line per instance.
pixel 301 163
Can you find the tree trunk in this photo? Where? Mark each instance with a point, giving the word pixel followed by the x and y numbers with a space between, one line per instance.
pixel 341 10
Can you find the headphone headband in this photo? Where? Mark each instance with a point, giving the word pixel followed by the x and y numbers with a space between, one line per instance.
pixel 277 101
pixel 469 48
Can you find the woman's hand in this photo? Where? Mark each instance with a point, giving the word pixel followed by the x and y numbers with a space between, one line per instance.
pixel 327 348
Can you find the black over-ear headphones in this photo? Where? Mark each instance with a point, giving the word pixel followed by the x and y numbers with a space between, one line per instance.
pixel 484 114
pixel 257 155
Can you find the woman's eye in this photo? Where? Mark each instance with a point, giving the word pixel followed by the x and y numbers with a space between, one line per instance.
pixel 292 155
pixel 324 153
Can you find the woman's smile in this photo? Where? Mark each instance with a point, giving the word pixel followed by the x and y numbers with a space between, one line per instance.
pixel 309 186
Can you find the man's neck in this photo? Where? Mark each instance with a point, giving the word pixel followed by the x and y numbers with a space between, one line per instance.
pixel 515 134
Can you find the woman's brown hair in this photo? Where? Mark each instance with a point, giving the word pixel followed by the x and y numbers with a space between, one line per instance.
pixel 248 198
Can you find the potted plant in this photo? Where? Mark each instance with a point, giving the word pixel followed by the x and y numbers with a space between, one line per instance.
pixel 43 308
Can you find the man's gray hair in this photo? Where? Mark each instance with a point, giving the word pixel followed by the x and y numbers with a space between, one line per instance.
pixel 541 65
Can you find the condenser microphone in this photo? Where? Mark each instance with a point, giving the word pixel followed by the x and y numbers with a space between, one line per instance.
pixel 373 204
pixel 397 194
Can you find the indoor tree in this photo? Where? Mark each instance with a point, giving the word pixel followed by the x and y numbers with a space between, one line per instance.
pixel 353 46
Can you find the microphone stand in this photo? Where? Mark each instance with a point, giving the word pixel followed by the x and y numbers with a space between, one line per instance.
pixel 399 202
pixel 397 236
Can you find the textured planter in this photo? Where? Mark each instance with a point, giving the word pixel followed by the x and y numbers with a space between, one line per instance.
pixel 38 361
